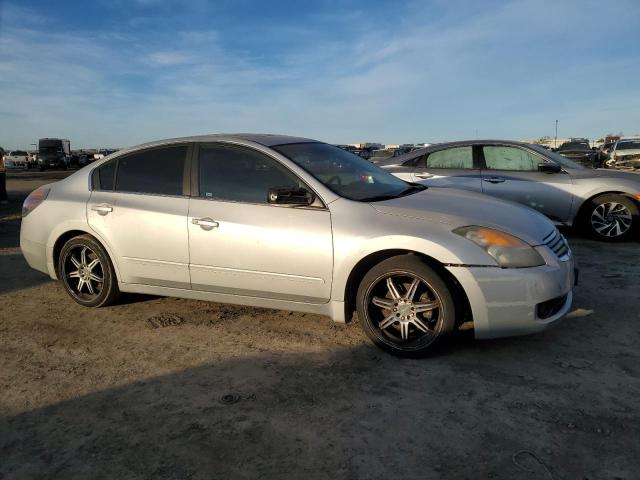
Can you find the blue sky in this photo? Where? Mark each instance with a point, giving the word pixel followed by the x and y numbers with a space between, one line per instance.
pixel 117 73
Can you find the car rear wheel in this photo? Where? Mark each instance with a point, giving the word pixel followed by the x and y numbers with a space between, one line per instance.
pixel 405 307
pixel 87 273
pixel 612 218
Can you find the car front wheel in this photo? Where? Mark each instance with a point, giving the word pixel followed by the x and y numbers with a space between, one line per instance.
pixel 405 307
pixel 612 218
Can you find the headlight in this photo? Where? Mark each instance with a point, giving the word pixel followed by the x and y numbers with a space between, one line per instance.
pixel 507 250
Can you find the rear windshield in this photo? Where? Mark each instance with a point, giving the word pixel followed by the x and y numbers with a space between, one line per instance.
pixel 574 146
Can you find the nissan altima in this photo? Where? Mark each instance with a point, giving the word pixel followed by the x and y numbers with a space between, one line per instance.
pixel 296 224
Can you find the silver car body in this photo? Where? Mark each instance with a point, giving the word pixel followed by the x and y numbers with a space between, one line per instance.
pixel 302 259
pixel 559 195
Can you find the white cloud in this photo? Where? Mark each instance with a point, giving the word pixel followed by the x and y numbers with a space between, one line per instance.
pixel 426 79
pixel 167 58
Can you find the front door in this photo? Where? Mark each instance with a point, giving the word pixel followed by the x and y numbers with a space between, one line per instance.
pixel 239 244
pixel 511 173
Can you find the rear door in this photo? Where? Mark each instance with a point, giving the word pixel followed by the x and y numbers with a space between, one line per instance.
pixel 139 206
pixel 453 167
pixel 511 172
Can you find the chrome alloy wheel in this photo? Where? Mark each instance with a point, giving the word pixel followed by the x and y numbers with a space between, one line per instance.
pixel 83 273
pixel 611 219
pixel 405 308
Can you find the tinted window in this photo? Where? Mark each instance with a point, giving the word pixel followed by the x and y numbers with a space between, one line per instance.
pixel 458 157
pixel 104 175
pixel 510 158
pixel 346 174
pixel 240 174
pixel 158 171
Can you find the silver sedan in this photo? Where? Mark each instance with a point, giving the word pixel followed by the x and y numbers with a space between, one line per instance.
pixel 296 224
pixel 605 203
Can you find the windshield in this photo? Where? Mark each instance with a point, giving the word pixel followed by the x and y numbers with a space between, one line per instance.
pixel 346 174
pixel 556 157
pixel 632 145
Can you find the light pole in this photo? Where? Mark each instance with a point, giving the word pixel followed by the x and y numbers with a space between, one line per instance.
pixel 555 141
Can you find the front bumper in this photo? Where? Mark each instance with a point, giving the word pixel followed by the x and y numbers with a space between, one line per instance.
pixel 505 302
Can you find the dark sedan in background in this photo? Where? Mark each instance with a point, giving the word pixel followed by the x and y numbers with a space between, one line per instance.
pixel 606 203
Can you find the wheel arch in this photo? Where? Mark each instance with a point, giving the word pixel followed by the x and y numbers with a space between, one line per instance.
pixel 68 235
pixel 579 216
pixel 365 264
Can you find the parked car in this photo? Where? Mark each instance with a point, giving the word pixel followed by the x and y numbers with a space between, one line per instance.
pixel 16 159
pixel 625 153
pixel 580 151
pixel 603 202
pixel 292 223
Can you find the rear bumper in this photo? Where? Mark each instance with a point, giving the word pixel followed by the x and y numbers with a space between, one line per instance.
pixel 507 302
pixel 35 254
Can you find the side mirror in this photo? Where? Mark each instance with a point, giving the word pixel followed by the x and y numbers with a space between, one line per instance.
pixel 290 196
pixel 549 167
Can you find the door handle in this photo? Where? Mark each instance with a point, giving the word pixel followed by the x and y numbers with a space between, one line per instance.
pixel 494 179
pixel 205 223
pixel 424 175
pixel 102 209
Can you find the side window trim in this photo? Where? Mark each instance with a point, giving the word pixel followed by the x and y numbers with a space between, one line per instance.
pixel 318 204
pixel 94 180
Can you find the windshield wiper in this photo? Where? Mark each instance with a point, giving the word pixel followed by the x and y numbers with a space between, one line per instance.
pixel 412 188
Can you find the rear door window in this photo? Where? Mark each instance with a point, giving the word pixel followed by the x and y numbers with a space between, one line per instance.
pixel 157 171
pixel 454 158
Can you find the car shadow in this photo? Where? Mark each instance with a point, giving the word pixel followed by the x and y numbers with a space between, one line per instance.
pixel 354 413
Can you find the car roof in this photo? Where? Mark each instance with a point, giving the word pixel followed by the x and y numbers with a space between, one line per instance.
pixel 265 139
pixel 440 146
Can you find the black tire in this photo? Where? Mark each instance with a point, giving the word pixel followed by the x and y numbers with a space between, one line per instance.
pixel 611 218
pixel 75 267
pixel 432 290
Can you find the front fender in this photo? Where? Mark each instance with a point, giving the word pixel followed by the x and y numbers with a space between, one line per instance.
pixel 458 251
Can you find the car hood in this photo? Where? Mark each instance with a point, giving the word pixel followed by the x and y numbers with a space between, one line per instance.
pixel 459 208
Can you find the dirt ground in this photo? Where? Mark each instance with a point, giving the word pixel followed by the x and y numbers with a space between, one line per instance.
pixel 177 389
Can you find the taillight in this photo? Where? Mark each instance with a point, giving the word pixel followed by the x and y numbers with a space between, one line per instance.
pixel 34 199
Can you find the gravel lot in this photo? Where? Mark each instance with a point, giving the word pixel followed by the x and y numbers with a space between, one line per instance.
pixel 169 388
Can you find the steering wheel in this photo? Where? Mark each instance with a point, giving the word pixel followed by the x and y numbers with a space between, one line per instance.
pixel 335 180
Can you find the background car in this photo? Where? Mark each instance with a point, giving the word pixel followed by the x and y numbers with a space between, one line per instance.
pixel 603 202
pixel 625 153
pixel 579 150
pixel 292 223
pixel 16 159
